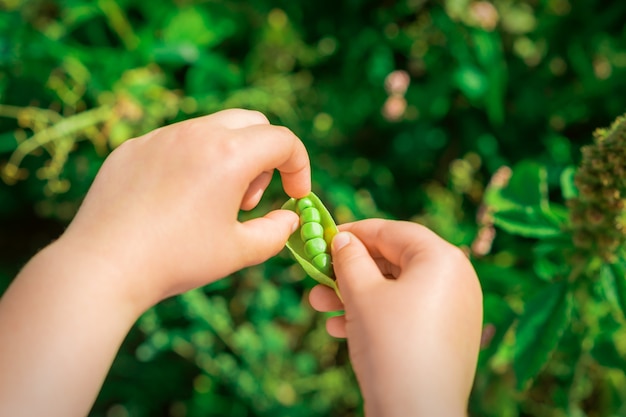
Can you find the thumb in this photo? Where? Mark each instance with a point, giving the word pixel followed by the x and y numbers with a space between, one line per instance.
pixel 265 236
pixel 354 267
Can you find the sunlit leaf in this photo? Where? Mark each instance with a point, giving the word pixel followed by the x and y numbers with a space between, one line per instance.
pixel 568 188
pixel 498 317
pixel 545 318
pixel 471 81
pixel 613 283
pixel 489 53
pixel 606 353
pixel 527 223
pixel 528 185
pixel 196 26
pixel 549 258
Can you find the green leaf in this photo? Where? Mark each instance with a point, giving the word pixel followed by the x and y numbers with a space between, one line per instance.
pixel 498 314
pixel 546 269
pixel 546 317
pixel 212 73
pixel 380 64
pixel 568 187
pixel 175 53
pixel 522 207
pixel 558 213
pixel 488 47
pixel 528 185
pixel 606 353
pixel 471 81
pixel 613 284
pixel 528 223
pixel 195 26
pixel 8 143
pixel 549 262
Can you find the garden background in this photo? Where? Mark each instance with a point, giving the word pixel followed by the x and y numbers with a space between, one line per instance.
pixel 467 116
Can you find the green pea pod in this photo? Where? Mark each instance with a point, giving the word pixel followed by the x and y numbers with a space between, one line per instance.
pixel 295 244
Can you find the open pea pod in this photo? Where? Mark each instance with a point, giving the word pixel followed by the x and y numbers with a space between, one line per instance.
pixel 295 244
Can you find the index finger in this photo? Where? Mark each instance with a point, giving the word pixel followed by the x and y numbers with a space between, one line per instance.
pixel 399 242
pixel 268 147
pixel 235 118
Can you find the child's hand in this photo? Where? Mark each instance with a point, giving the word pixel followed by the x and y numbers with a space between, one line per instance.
pixel 413 316
pixel 164 206
pixel 159 219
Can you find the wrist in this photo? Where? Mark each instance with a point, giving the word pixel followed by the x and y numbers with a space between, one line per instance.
pixel 91 269
pixel 69 301
pixel 388 406
pixel 411 392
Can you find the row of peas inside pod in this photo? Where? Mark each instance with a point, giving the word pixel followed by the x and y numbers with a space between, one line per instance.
pixel 310 243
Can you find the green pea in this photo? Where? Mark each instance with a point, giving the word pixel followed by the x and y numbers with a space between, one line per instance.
pixel 314 247
pixel 310 214
pixel 303 203
pixel 322 262
pixel 311 230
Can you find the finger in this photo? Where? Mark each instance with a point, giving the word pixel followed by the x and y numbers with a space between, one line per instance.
pixel 323 298
pixel 255 191
pixel 237 118
pixel 388 269
pixel 399 242
pixel 336 327
pixel 355 269
pixel 265 236
pixel 266 147
pixel 199 127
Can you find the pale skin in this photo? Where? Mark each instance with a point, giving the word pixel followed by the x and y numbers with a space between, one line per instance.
pixel 161 218
pixel 413 317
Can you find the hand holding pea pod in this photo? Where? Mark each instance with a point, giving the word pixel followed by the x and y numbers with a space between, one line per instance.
pixel 170 200
pixel 413 317
pixel 160 218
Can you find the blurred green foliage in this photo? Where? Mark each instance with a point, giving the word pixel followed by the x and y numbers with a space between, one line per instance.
pixel 410 109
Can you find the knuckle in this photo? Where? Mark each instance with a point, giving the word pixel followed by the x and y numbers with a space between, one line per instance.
pixel 237 117
pixel 225 149
pixel 284 132
pixel 461 271
pixel 256 116
pixel 227 152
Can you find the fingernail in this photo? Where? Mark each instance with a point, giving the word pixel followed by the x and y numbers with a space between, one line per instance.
pixel 340 240
pixel 295 225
